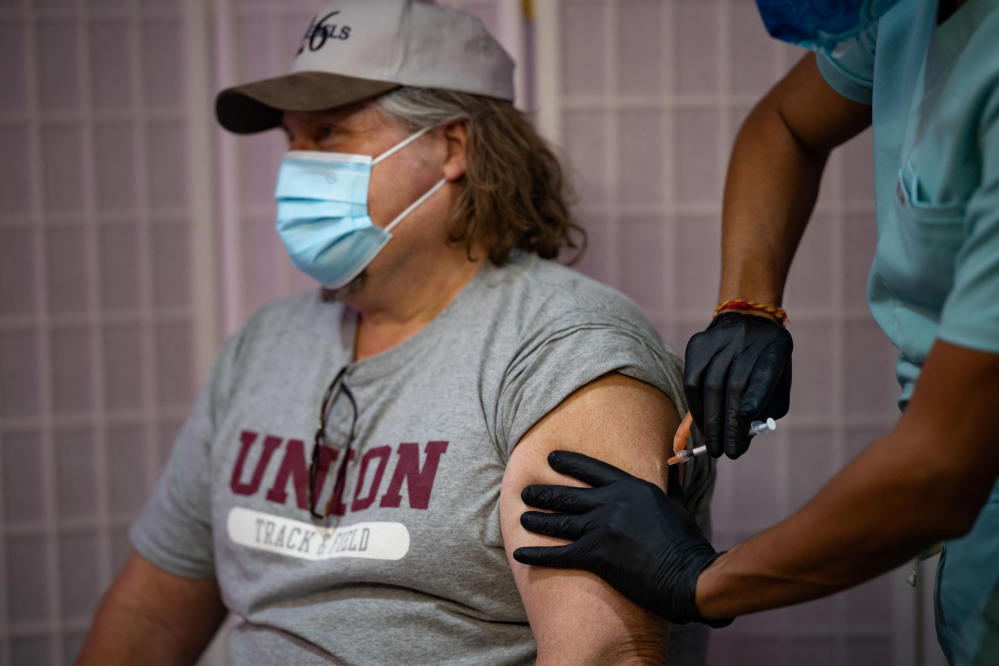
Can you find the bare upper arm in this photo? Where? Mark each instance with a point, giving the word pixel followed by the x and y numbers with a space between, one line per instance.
pixel 575 616
pixel 151 616
pixel 817 116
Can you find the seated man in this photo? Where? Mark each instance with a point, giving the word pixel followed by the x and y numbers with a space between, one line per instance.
pixel 445 356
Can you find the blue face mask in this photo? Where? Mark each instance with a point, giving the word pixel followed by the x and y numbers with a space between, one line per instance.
pixel 820 25
pixel 322 212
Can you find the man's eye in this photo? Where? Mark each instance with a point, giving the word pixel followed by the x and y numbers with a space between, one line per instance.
pixel 323 133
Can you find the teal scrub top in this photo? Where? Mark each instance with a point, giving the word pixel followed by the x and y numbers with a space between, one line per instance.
pixel 934 91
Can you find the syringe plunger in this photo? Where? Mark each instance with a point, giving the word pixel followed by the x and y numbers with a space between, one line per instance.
pixel 761 427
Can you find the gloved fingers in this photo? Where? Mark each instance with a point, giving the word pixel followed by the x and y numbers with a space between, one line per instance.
pixel 558 525
pixel 714 396
pixel 696 360
pixel 566 499
pixel 779 401
pixel 546 556
pixel 588 470
pixel 768 390
pixel 735 430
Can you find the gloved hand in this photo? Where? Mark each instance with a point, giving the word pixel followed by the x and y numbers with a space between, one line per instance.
pixel 625 530
pixel 736 371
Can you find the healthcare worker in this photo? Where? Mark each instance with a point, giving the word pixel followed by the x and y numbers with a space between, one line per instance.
pixel 926 73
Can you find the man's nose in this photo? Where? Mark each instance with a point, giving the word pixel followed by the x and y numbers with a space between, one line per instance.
pixel 302 143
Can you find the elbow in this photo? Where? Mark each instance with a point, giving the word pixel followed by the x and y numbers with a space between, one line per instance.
pixel 639 652
pixel 636 653
pixel 955 520
pixel 951 506
pixel 769 123
pixel 629 644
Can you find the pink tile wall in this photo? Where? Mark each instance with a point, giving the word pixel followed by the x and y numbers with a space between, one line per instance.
pixel 97 328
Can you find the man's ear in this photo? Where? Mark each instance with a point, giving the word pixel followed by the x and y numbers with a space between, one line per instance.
pixel 456 135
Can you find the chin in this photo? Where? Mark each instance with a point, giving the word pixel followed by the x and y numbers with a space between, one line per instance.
pixel 347 291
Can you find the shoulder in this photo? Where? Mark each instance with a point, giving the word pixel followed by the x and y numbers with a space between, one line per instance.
pixel 560 331
pixel 303 304
pixel 554 307
pixel 557 292
pixel 299 310
pixel 286 323
pixel 544 305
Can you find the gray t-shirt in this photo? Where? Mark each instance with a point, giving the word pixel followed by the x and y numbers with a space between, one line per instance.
pixel 410 566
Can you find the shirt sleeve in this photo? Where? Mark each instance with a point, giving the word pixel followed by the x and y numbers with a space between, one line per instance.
pixel 571 352
pixel 970 315
pixel 849 68
pixel 174 529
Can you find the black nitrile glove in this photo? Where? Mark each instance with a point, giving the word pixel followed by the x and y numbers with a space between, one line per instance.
pixel 625 530
pixel 736 371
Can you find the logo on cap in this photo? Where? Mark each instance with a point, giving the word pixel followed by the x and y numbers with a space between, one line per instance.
pixel 319 31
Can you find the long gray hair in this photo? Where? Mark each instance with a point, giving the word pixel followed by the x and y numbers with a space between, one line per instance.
pixel 515 194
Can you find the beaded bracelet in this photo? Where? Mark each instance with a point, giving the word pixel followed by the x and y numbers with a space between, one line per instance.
pixel 735 304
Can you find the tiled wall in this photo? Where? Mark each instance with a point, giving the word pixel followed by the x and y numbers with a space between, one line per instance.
pixel 134 234
pixel 99 327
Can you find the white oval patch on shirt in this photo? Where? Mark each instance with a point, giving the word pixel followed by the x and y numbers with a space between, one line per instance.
pixel 294 538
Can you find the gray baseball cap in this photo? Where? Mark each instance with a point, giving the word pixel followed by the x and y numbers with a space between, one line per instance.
pixel 354 50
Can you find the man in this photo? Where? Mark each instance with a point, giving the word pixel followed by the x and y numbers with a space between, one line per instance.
pixel 928 73
pixel 444 359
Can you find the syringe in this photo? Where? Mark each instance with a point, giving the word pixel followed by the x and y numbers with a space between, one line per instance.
pixel 755 428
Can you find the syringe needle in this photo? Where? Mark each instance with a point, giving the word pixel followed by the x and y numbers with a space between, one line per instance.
pixel 755 428
pixel 686 455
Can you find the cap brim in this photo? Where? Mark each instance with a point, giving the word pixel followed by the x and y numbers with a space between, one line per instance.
pixel 254 107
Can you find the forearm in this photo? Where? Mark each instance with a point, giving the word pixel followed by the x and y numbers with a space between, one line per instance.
pixel 866 521
pixel 924 481
pixel 149 616
pixel 124 635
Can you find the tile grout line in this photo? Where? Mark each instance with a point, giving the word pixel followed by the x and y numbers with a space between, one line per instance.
pixel 230 245
pixel 98 382
pixel 610 118
pixel 202 246
pixel 48 455
pixel 145 244
pixel 668 215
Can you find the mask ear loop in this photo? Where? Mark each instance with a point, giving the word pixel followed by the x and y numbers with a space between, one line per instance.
pixel 402 144
pixel 426 195
pixel 409 209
